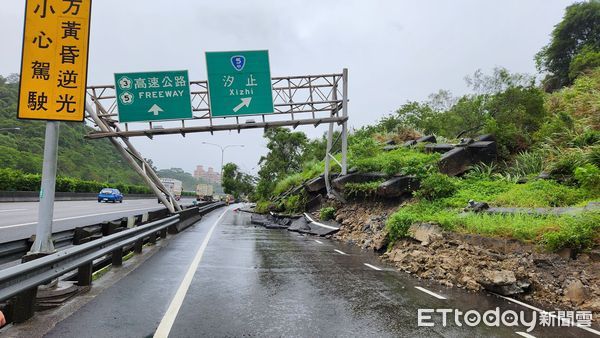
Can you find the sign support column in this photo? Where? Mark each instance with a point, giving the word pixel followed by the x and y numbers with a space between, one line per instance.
pixel 43 233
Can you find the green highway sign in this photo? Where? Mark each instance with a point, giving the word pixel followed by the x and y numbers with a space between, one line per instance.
pixel 239 83
pixel 153 96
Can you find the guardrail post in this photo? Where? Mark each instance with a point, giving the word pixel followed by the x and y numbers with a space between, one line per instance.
pixel 117 257
pixel 163 233
pixel 24 305
pixel 152 238
pixel 84 274
pixel 138 246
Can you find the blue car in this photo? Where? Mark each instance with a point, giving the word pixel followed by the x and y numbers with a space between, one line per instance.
pixel 109 194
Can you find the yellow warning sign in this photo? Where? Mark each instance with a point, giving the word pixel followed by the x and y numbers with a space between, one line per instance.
pixel 54 60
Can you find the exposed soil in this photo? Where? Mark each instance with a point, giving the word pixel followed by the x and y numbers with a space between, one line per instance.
pixel 504 266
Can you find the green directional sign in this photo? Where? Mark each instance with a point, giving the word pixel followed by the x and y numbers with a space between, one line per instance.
pixel 239 83
pixel 153 96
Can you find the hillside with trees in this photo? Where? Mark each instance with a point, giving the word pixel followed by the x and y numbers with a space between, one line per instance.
pixel 23 149
pixel 548 149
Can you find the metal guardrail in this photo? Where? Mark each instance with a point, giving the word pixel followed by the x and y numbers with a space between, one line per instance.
pixel 26 276
pixel 19 284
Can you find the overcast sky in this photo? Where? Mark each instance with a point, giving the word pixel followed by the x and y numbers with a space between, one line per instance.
pixel 395 51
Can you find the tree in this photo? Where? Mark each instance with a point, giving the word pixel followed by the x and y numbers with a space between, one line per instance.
pixel 285 156
pixel 578 32
pixel 236 182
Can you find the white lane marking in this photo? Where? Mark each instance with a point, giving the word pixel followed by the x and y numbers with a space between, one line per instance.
pixel 75 217
pixel 550 314
pixel 164 328
pixel 318 241
pixel 320 224
pixel 9 210
pixel 372 266
pixel 525 334
pixel 430 292
pixel 340 252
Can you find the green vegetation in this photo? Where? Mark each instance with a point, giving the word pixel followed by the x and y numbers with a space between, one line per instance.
pixel 565 143
pixel 365 189
pixel 78 158
pixel 236 182
pixel 15 180
pixel 327 213
pixel 575 45
pixel 555 134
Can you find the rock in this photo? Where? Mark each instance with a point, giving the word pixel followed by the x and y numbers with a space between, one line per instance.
pixel 424 232
pixel 503 277
pixel 366 227
pixel 470 283
pixel 595 255
pixel 583 257
pixel 575 292
pixel 476 206
pixel 367 243
pixel 566 253
pixel 503 282
pixel 592 305
pixel 380 241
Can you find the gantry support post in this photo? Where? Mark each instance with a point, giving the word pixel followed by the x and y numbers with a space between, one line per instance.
pixel 132 161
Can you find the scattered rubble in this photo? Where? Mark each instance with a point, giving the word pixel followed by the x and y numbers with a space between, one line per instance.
pixel 504 266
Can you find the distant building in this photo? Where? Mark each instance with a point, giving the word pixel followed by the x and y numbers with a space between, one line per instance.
pixel 210 175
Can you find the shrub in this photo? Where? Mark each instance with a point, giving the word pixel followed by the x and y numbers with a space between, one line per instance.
pixel 577 232
pixel 287 183
pixel 437 186
pixel 398 224
pixel 294 203
pixel 588 177
pixel 262 207
pixel 401 161
pixel 327 213
pixel 524 164
pixel 364 189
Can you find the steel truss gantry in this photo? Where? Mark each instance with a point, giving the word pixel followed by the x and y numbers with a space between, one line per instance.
pixel 297 100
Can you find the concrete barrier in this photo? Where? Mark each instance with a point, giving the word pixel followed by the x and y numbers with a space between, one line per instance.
pixel 33 196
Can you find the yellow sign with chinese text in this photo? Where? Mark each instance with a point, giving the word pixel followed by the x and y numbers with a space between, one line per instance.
pixel 54 60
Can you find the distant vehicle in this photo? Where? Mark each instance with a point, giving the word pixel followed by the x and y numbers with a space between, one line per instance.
pixel 173 186
pixel 204 192
pixel 110 194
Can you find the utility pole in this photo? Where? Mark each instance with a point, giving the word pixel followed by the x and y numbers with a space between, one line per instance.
pixel 43 233
pixel 223 152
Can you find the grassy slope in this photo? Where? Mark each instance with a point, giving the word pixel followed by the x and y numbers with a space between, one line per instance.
pixel 567 144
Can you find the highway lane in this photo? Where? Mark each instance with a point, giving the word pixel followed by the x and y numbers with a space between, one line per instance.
pixel 18 220
pixel 225 277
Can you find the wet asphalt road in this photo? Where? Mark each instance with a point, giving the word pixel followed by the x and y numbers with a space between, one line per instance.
pixel 19 219
pixel 256 282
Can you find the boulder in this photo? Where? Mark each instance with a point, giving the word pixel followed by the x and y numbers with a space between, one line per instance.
pixel 397 186
pixel 455 162
pixel 426 139
pixel 424 232
pixel 483 151
pixel 439 148
pixel 503 282
pixel 409 143
pixel 576 292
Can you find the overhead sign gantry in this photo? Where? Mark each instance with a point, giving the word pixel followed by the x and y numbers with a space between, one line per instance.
pixel 239 85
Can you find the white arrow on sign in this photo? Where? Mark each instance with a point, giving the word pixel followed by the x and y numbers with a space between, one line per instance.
pixel 245 102
pixel 155 109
